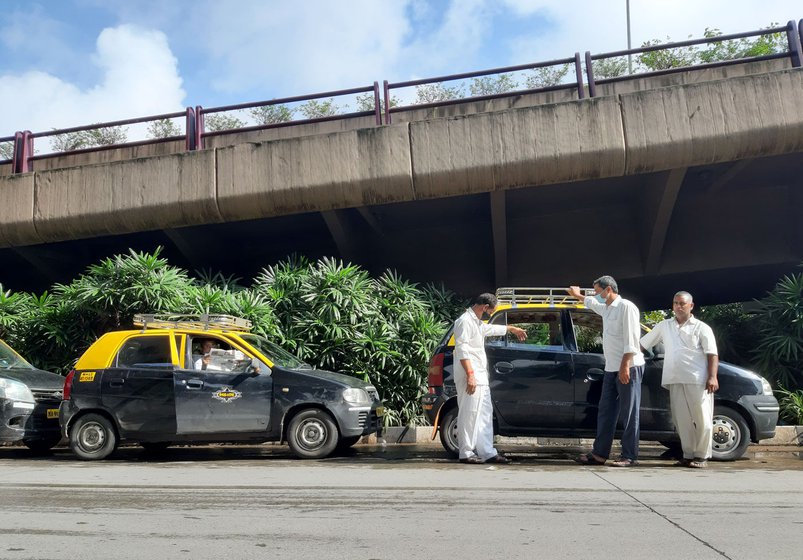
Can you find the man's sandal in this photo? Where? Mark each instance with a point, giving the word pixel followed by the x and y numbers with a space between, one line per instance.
pixel 588 459
pixel 697 464
pixel 624 463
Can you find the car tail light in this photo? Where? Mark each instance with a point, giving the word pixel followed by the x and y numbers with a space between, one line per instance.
pixel 68 385
pixel 435 372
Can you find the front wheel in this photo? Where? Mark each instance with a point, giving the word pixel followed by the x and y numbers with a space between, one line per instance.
pixel 312 434
pixel 93 437
pixel 731 434
pixel 448 430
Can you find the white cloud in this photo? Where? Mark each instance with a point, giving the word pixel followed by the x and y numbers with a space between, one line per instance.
pixel 287 49
pixel 140 78
pixel 600 26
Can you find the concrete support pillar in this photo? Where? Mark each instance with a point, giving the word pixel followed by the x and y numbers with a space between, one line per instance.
pixel 657 203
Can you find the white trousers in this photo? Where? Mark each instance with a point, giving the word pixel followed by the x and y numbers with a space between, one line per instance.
pixel 693 415
pixel 475 429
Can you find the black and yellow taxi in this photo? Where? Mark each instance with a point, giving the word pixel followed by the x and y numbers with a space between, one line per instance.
pixel 29 402
pixel 550 384
pixel 208 379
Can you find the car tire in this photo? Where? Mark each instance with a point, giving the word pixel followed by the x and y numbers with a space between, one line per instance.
pixel 42 446
pixel 448 430
pixel 312 434
pixel 93 437
pixel 731 434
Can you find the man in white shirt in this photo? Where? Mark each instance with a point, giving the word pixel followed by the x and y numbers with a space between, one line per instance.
pixel 624 368
pixel 690 373
pixel 475 433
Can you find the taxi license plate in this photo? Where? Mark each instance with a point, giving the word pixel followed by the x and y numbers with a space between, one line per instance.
pixel 52 413
pixel 380 411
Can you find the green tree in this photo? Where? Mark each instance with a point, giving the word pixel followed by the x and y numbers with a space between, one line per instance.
pixel 316 109
pixel 272 114
pixel 492 85
pixel 547 76
pixel 217 122
pixel 432 93
pixel 365 102
pixel 6 150
pixel 102 136
pixel 163 128
pixel 610 67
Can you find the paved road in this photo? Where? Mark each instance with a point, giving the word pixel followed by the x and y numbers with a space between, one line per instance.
pixel 402 502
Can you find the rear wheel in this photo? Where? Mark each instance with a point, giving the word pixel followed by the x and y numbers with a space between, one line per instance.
pixel 312 434
pixel 93 437
pixel 448 430
pixel 731 434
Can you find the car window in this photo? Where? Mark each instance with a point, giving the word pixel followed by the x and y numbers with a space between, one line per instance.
pixel 141 350
pixel 542 328
pixel 587 331
pixel 211 353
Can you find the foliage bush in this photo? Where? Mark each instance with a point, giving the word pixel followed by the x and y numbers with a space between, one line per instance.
pixel 330 314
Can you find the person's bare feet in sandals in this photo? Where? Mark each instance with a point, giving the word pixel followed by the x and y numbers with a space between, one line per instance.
pixel 624 463
pixel 590 459
pixel 697 463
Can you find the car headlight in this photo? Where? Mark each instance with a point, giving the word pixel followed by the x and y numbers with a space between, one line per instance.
pixel 13 390
pixel 354 395
pixel 765 386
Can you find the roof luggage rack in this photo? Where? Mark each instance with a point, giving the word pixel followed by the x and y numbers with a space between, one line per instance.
pixel 203 322
pixel 548 296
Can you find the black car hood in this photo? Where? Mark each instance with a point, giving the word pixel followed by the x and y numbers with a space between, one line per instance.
pixel 35 379
pixel 340 378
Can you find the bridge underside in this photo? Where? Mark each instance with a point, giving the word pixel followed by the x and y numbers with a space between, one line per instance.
pixel 725 232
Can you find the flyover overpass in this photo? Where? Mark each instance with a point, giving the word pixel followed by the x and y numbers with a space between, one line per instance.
pixel 690 180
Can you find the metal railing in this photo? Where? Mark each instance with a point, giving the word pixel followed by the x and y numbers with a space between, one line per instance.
pixel 195 133
pixel 577 85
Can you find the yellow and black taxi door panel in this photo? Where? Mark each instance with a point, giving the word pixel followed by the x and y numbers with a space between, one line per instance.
pixel 227 392
pixel 138 388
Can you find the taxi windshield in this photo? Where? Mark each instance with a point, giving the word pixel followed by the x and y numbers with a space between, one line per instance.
pixel 274 352
pixel 10 359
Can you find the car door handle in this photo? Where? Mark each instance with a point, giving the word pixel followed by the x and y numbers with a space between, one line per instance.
pixel 116 382
pixel 593 374
pixel 503 367
pixel 194 384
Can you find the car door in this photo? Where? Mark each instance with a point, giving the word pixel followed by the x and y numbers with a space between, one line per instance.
pixel 138 388
pixel 231 399
pixel 531 381
pixel 589 367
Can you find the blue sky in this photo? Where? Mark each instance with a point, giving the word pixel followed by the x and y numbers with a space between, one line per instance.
pixel 72 62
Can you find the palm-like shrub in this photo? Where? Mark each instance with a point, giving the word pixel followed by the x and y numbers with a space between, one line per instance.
pixel 780 341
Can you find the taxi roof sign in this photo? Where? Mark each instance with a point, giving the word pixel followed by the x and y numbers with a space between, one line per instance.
pixel 204 322
pixel 544 296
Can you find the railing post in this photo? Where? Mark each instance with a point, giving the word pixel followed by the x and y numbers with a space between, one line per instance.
pixel 199 127
pixel 377 104
pixel 578 71
pixel 189 131
pixel 23 150
pixel 387 101
pixel 592 85
pixel 793 38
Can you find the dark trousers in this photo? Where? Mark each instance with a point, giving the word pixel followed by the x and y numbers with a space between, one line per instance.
pixel 619 402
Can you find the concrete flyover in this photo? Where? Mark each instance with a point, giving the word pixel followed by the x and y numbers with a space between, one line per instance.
pixel 695 184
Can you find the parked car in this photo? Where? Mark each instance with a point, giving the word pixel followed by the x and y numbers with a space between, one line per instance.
pixel 29 402
pixel 204 379
pixel 550 384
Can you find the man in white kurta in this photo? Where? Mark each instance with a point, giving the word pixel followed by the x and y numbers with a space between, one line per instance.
pixel 690 374
pixel 475 412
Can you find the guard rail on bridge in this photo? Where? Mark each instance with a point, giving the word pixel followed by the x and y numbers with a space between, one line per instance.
pixel 277 115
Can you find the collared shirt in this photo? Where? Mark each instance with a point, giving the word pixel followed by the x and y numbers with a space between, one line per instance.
pixel 620 331
pixel 686 348
pixel 469 344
